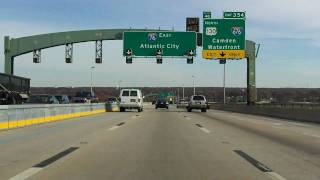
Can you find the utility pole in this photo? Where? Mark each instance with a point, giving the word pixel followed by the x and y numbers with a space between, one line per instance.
pixel 224 83
pixel 194 86
pixel 183 91
pixel 91 87
pixel 120 86
pixel 223 61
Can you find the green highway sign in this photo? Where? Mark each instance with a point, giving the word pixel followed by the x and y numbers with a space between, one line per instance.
pixel 168 43
pixel 223 38
pixel 206 15
pixel 234 15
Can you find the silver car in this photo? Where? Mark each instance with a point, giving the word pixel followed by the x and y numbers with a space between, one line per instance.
pixel 197 102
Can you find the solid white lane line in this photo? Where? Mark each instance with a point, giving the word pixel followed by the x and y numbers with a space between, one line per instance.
pixel 277 127
pixel 275 176
pixel 312 135
pixel 26 174
pixel 277 124
pixel 298 124
pixel 113 128
pixel 205 130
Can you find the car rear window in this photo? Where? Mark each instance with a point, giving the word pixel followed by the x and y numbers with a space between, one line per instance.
pixel 125 93
pixel 112 99
pixel 198 98
pixel 161 100
pixel 133 93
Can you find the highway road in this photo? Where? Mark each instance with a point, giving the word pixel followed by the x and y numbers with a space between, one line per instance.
pixel 163 144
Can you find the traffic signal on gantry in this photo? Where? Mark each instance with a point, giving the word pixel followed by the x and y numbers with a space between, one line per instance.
pixel 128 55
pixel 159 54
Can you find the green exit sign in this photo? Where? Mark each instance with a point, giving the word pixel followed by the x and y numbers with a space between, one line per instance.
pixel 234 15
pixel 172 44
pixel 206 14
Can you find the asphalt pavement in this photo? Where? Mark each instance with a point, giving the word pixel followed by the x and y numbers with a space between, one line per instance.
pixel 163 144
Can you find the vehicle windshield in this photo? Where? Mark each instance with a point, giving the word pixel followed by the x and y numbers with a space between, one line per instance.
pixel 59 98
pixel 161 100
pixel 125 93
pixel 83 94
pixel 133 93
pixel 112 99
pixel 198 98
pixel 39 99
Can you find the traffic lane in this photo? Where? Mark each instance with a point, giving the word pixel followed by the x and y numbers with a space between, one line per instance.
pixel 23 147
pixel 291 161
pixel 299 126
pixel 159 145
pixel 303 138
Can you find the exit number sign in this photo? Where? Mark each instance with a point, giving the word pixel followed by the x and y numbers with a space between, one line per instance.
pixel 234 15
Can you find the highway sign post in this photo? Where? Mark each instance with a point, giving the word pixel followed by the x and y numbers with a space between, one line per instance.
pixel 148 43
pixel 223 38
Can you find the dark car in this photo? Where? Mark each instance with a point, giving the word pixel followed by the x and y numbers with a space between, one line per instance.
pixel 161 103
pixel 112 100
pixel 42 99
pixel 63 99
pixel 85 97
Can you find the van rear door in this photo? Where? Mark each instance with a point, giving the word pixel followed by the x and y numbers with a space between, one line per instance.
pixel 133 96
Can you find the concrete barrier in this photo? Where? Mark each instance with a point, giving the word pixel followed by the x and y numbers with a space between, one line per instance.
pixel 290 112
pixel 112 107
pixel 14 116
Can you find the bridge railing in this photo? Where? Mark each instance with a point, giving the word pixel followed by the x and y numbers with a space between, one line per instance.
pixel 14 116
pixel 298 112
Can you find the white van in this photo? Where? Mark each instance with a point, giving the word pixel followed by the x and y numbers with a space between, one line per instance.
pixel 131 99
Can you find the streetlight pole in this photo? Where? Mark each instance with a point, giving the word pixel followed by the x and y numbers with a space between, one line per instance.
pixel 120 85
pixel 91 88
pixel 194 86
pixel 224 83
pixel 183 91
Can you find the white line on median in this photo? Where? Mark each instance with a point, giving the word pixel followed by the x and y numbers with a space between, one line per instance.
pixel 26 174
pixel 312 135
pixel 205 130
pixel 277 124
pixel 277 127
pixel 113 128
pixel 275 176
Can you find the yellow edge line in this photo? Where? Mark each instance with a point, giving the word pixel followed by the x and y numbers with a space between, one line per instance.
pixel 39 120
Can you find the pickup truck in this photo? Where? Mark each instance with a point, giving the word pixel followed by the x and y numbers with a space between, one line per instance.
pixel 13 89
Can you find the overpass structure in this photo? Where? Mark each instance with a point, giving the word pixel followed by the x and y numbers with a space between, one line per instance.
pixel 14 47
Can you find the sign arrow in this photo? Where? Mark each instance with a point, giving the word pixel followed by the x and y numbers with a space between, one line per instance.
pixel 222 54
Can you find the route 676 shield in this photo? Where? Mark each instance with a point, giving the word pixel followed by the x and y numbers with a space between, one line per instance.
pixel 237 31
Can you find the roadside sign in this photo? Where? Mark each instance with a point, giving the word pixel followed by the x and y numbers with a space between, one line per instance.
pixel 192 24
pixel 206 15
pixel 223 38
pixel 234 15
pixel 147 43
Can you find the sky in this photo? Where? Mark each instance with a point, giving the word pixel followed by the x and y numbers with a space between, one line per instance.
pixel 288 31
